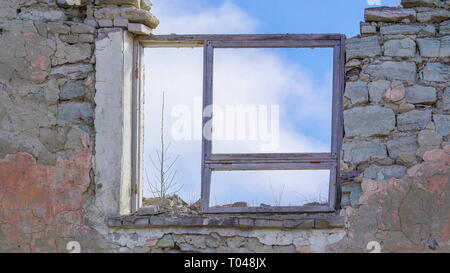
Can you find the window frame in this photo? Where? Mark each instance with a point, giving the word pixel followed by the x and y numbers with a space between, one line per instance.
pixel 250 161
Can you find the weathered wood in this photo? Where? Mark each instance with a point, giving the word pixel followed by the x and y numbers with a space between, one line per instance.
pixel 172 44
pixel 274 44
pixel 313 158
pixel 270 156
pixel 206 142
pixel 137 127
pixel 240 37
pixel 270 166
pixel 242 40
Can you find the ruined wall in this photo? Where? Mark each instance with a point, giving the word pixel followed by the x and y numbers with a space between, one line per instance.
pixel 397 129
pixel 47 90
pixel 395 158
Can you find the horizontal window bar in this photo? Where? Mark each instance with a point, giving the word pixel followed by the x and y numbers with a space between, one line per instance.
pixel 302 209
pixel 275 158
pixel 171 44
pixel 241 37
pixel 269 166
pixel 275 44
pixel 271 155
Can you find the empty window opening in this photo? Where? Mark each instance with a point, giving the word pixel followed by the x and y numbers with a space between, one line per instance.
pixel 172 138
pixel 272 100
pixel 242 123
pixel 267 189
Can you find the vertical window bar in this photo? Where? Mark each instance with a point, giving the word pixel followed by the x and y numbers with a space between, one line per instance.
pixel 206 143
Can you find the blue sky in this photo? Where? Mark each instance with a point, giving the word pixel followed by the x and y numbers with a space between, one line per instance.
pixel 298 80
pixel 288 16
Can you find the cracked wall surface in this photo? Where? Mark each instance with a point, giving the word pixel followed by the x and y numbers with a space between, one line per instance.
pixel 53 55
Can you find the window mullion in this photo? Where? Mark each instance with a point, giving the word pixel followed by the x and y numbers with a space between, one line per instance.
pixel 206 140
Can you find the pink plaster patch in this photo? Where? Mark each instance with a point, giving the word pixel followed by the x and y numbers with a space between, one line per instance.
pixel 414 170
pixel 39 75
pixel 445 232
pixel 39 203
pixel 436 156
pixel 39 63
pixel 437 184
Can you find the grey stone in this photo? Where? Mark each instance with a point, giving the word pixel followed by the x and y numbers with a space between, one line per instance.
pixel 354 190
pixel 149 210
pixel 421 94
pixel 357 92
pixel 72 90
pixel 408 29
pixel 442 124
pixel 361 151
pixel 71 3
pixel 434 15
pixel 429 47
pixel 436 72
pixel 82 29
pixel 420 3
pixel 389 14
pixel 109 12
pixel 429 138
pixel 105 23
pixel 8 13
pixel 72 71
pixel 423 149
pixel 52 139
pixel 86 38
pixel 42 14
pixel 400 48
pixel 57 28
pixel 384 172
pixel 41 28
pixel 434 47
pixel 73 53
pixel 401 145
pixel 134 3
pixel 414 120
pixel 366 28
pixel 75 111
pixel 444 28
pixel 166 241
pixel 70 39
pixel 445 47
pixel 368 121
pixel 363 47
pixel 73 140
pixel 393 70
pixel 446 99
pixel 139 16
pixel 407 159
pixel 377 90
pixel 120 22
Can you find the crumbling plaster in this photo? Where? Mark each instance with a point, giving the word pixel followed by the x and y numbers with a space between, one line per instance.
pixel 65 133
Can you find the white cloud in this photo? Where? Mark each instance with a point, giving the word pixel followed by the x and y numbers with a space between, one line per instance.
pixel 246 76
pixel 187 17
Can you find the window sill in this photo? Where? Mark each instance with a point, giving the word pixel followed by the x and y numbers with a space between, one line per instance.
pixel 308 221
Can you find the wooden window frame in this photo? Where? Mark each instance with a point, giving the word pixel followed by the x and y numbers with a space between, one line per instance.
pixel 261 161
